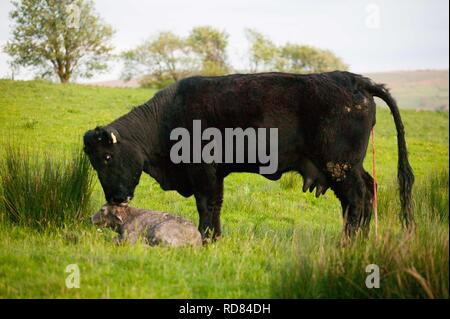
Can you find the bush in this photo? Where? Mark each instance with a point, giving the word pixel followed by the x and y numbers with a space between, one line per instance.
pixel 40 191
pixel 156 82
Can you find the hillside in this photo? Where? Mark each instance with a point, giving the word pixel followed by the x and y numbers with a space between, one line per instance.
pixel 420 90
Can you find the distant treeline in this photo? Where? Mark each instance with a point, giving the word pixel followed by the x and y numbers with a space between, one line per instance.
pixel 167 57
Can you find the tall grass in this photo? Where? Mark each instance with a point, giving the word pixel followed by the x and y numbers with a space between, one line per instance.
pixel 435 200
pixel 412 265
pixel 38 190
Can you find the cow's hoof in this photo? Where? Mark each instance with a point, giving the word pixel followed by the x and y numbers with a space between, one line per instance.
pixel 210 240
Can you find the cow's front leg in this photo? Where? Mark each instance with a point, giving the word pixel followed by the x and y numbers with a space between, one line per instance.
pixel 218 199
pixel 205 210
pixel 209 206
pixel 208 192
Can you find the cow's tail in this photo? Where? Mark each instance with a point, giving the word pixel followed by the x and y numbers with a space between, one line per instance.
pixel 405 172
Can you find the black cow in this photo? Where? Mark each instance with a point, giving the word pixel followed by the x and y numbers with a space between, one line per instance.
pixel 324 122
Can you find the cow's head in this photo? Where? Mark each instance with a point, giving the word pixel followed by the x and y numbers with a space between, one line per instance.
pixel 118 163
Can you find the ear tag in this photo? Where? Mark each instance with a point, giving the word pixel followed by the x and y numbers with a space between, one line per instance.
pixel 114 138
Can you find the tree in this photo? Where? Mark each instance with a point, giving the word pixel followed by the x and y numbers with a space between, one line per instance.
pixel 162 59
pixel 209 47
pixel 62 37
pixel 263 53
pixel 166 57
pixel 266 56
pixel 297 58
pixel 14 68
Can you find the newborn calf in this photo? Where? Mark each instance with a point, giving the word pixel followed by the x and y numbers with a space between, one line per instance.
pixel 156 228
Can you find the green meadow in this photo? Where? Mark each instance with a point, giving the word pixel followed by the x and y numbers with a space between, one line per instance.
pixel 277 241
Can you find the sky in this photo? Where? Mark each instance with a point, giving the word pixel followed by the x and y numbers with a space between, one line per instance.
pixel 369 35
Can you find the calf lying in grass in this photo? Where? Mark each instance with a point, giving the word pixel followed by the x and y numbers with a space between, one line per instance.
pixel 155 228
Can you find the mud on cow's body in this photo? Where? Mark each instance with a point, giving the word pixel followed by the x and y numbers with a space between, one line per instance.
pixel 323 120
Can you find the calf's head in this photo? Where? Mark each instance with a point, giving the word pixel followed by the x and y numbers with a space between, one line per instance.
pixel 109 216
pixel 118 163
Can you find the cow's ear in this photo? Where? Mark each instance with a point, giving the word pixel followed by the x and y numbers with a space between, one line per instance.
pixel 112 135
pixel 88 139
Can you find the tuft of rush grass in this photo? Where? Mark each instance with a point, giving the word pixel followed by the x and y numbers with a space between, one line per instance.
pixel 30 123
pixel 411 265
pixel 38 190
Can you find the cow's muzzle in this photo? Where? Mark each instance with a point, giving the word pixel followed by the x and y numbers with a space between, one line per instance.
pixel 120 201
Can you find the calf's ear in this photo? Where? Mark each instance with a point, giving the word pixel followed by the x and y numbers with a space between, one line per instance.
pixel 95 219
pixel 117 217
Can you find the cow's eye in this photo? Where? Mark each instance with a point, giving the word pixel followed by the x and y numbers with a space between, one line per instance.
pixel 107 158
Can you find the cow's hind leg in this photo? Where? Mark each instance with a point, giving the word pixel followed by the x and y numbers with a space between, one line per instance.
pixel 353 193
pixel 368 200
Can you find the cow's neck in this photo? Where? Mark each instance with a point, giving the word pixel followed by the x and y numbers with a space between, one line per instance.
pixel 141 126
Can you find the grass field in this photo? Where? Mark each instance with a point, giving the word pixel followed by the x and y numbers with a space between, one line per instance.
pixel 277 242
